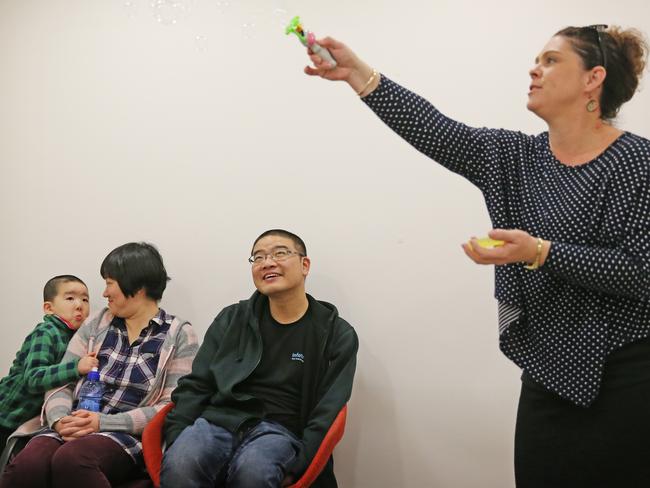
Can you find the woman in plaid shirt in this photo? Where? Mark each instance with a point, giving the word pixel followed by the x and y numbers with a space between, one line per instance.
pixel 142 352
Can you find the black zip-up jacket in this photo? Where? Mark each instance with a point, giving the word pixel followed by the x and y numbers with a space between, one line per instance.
pixel 232 349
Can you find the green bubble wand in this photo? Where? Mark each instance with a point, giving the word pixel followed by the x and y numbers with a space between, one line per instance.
pixel 308 39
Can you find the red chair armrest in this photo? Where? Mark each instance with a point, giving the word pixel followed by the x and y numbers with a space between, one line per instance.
pixel 152 441
pixel 333 436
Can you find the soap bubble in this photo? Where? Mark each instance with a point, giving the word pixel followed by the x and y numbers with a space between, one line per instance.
pixel 222 5
pixel 169 12
pixel 201 43
pixel 129 8
pixel 280 18
pixel 249 30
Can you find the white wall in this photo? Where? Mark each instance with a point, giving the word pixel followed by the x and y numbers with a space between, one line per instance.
pixel 200 134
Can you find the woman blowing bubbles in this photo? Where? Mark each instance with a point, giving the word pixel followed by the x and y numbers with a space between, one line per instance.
pixel 573 277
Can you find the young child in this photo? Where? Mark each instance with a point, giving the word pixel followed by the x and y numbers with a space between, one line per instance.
pixel 36 368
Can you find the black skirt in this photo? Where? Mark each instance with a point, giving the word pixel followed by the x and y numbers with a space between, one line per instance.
pixel 607 445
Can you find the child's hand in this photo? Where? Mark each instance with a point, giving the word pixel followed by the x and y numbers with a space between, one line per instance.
pixel 86 363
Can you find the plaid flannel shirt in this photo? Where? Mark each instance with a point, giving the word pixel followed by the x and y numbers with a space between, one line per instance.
pixel 35 370
pixel 129 371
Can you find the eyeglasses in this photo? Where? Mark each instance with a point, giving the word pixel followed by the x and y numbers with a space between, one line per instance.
pixel 277 255
pixel 599 29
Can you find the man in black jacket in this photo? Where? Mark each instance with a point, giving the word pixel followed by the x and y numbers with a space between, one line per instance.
pixel 272 374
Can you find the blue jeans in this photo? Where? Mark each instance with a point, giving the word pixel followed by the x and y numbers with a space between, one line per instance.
pixel 206 455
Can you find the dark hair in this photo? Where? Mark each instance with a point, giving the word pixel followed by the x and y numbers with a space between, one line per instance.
pixel 135 266
pixel 626 52
pixel 297 241
pixel 51 288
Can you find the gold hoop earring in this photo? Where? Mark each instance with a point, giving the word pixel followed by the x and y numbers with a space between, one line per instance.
pixel 592 105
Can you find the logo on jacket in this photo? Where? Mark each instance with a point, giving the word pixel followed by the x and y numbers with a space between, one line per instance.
pixel 298 356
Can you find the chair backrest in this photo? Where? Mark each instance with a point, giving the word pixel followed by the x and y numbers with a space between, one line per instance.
pixel 333 436
pixel 152 441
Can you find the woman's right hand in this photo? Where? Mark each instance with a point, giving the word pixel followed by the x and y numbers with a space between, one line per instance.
pixel 348 66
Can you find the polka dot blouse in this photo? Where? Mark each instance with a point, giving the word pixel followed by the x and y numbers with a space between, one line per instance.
pixel 592 295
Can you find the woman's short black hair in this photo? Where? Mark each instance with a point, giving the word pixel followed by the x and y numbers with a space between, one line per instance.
pixel 135 266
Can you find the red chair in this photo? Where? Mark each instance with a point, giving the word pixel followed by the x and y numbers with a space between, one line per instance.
pixel 152 439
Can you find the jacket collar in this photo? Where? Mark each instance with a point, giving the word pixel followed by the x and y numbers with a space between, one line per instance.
pixel 324 313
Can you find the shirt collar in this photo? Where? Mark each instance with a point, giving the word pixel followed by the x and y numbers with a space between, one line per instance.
pixel 61 320
pixel 157 320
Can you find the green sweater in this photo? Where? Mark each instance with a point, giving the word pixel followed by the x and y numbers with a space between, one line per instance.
pixel 35 370
pixel 231 350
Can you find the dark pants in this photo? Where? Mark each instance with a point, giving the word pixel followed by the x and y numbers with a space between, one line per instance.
pixel 561 445
pixel 92 461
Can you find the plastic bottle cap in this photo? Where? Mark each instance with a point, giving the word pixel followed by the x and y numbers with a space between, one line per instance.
pixel 94 374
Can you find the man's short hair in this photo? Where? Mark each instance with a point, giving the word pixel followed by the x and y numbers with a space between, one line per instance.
pixel 51 288
pixel 136 265
pixel 297 241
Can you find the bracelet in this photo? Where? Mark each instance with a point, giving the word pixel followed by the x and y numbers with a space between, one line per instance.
pixel 538 256
pixel 370 80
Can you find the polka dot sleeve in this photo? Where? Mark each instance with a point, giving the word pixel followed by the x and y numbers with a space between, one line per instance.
pixel 623 271
pixel 471 152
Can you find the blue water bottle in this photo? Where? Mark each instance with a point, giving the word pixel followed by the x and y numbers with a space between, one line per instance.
pixel 91 392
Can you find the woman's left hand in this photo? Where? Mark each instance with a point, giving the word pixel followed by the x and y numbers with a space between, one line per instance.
pixel 519 246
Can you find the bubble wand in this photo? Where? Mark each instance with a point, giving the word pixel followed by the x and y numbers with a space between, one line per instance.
pixel 308 39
